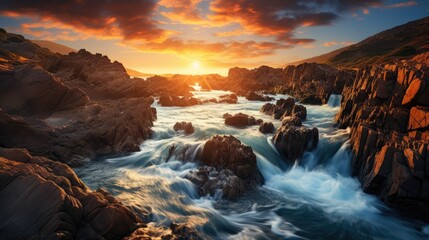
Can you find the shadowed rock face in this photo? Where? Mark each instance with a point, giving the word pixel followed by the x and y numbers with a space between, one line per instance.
pixel 44 199
pixel 230 167
pixel 387 110
pixel 240 120
pixel 285 108
pixel 292 139
pixel 186 127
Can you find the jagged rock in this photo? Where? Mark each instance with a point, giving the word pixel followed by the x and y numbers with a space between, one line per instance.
pixel 44 199
pixel 414 91
pixel 74 135
pixel 240 120
pixel 233 168
pixel 229 98
pixel 292 139
pixel 169 100
pixel 185 126
pixel 252 96
pixel 284 108
pixel 39 92
pixel 266 127
pixel 419 118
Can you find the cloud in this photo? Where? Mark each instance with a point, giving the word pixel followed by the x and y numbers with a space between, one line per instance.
pixel 402 4
pixel 281 18
pixel 182 11
pixel 333 43
pixel 131 19
pixel 229 49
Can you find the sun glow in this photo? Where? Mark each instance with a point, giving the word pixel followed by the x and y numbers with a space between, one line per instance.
pixel 196 65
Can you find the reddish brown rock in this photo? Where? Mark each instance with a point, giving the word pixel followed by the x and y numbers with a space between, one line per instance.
pixel 419 118
pixel 230 167
pixel 414 91
pixel 240 120
pixel 266 127
pixel 292 139
pixel 44 199
pixel 184 126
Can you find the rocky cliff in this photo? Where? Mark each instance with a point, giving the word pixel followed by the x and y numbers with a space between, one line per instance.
pixel 387 109
pixel 310 82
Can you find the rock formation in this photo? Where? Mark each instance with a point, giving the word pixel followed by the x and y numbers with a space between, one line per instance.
pixel 229 166
pixel 241 120
pixel 266 127
pixel 252 96
pixel 186 127
pixel 284 108
pixel 292 139
pixel 44 199
pixel 387 109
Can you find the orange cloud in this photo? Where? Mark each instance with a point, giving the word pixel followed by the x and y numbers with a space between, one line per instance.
pixel 182 11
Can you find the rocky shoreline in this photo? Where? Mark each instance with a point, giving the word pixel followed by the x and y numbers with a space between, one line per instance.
pixel 81 106
pixel 387 109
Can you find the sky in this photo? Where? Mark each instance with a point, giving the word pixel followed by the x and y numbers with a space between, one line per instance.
pixel 206 36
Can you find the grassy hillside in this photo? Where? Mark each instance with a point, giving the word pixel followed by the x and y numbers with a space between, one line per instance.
pixel 400 42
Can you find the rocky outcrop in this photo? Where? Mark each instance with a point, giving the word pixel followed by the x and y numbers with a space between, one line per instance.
pixel 39 92
pixel 311 82
pixel 230 167
pixel 44 199
pixel 266 127
pixel 241 120
pixel 285 108
pixel 292 139
pixel 76 135
pixel 170 100
pixel 252 96
pixel 387 110
pixel 186 127
pixel 229 98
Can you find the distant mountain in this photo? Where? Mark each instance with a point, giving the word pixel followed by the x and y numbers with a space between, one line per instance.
pixel 401 42
pixel 64 50
pixel 54 47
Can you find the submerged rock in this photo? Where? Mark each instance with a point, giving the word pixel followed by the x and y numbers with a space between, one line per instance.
pixel 230 167
pixel 184 126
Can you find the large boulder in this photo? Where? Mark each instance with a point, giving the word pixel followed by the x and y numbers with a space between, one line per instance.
pixel 170 100
pixel 240 120
pixel 43 199
pixel 292 139
pixel 284 108
pixel 184 126
pixel 228 98
pixel 266 127
pixel 252 96
pixel 233 168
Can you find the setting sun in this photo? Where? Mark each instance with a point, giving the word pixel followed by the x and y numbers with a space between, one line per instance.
pixel 196 65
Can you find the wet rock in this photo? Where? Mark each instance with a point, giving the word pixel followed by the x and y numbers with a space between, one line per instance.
pixel 266 127
pixel 284 108
pixel 56 202
pixel 184 126
pixel 240 120
pixel 252 96
pixel 292 139
pixel 229 98
pixel 170 100
pixel 229 166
